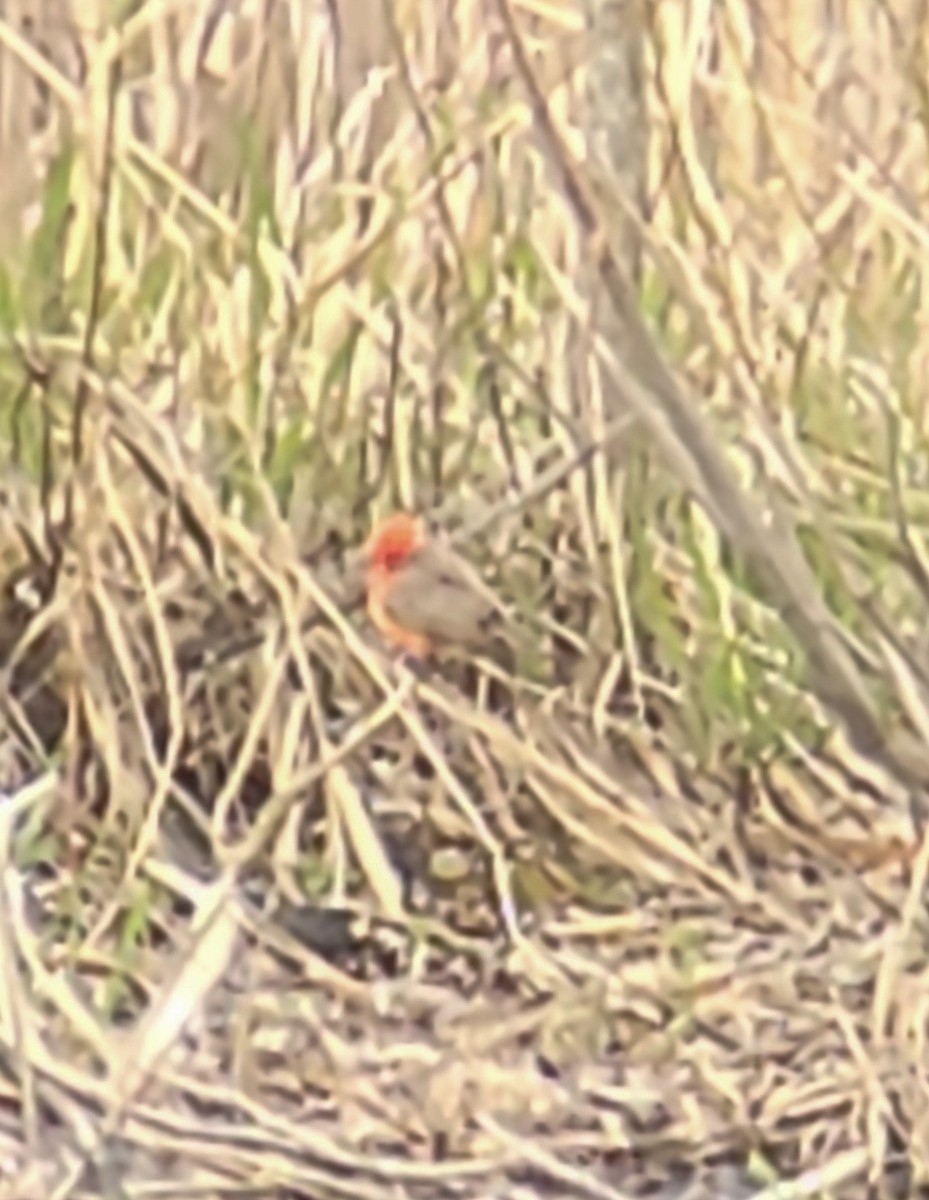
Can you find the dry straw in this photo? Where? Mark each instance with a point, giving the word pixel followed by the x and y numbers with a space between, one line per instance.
pixel 281 915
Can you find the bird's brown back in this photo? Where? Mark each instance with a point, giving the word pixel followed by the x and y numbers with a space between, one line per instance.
pixel 431 595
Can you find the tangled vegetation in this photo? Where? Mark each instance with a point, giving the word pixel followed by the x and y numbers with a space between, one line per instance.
pixel 643 915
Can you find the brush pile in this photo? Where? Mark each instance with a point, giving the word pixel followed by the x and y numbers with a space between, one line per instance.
pixel 641 914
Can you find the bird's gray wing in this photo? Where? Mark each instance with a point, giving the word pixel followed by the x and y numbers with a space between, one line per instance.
pixel 439 608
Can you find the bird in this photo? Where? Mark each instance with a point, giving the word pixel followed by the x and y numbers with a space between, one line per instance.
pixel 421 596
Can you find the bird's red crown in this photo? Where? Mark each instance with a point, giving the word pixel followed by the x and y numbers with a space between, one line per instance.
pixel 393 541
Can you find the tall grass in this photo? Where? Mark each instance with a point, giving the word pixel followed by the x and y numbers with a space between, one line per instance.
pixel 270 270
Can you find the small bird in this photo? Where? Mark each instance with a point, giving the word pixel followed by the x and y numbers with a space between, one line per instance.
pixel 421 595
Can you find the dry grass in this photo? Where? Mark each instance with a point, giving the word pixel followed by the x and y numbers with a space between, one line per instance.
pixel 280 918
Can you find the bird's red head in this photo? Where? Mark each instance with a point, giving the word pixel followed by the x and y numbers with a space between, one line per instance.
pixel 393 541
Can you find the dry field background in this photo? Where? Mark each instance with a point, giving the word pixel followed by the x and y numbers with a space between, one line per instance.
pixel 282 919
